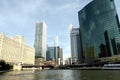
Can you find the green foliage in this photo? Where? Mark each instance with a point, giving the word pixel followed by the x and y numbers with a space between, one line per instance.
pixel 4 65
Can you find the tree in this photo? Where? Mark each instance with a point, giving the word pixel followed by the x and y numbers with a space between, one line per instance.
pixel 4 65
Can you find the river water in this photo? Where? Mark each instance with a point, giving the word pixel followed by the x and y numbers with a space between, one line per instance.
pixel 62 75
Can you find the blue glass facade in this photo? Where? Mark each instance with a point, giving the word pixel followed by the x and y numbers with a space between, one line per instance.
pixel 100 29
pixel 53 53
pixel 50 53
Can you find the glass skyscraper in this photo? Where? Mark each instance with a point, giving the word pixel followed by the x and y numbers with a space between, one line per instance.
pixel 54 53
pixel 50 53
pixel 40 40
pixel 100 29
pixel 75 45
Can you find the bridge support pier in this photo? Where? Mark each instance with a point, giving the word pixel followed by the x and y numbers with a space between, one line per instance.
pixel 17 67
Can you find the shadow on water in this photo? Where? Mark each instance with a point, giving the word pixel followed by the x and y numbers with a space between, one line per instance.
pixel 62 75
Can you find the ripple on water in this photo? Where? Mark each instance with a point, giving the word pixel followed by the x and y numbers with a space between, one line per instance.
pixel 61 75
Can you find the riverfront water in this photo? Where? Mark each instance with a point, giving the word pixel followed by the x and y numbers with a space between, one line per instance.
pixel 62 75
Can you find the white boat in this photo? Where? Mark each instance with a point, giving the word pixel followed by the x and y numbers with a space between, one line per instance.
pixel 111 67
pixel 33 69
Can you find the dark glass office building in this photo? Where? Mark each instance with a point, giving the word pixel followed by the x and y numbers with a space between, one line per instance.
pixel 100 30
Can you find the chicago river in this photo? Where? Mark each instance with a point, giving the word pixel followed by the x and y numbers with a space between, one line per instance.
pixel 61 75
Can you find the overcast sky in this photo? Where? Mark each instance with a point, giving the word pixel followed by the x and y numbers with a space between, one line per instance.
pixel 19 17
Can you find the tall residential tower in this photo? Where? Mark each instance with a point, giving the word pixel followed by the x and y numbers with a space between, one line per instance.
pixel 40 40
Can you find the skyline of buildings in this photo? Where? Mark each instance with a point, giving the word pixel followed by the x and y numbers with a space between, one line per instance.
pixel 20 52
pixel 42 52
pixel 21 18
pixel 100 30
pixel 55 53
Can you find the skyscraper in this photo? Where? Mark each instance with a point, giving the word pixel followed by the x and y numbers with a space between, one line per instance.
pixel 55 53
pixel 100 30
pixel 56 41
pixel 56 47
pixel 40 40
pixel 75 45
pixel 60 55
pixel 50 53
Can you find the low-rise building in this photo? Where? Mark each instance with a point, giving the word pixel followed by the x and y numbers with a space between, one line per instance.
pixel 14 50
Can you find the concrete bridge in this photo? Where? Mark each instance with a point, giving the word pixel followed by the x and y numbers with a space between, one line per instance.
pixel 38 66
pixel 20 67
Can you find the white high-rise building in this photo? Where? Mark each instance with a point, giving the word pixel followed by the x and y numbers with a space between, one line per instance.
pixel 40 40
pixel 75 44
pixel 56 41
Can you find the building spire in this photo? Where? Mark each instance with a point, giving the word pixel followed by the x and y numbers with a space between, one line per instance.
pixel 56 41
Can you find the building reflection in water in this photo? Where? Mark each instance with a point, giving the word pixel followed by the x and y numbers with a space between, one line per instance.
pixel 62 75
